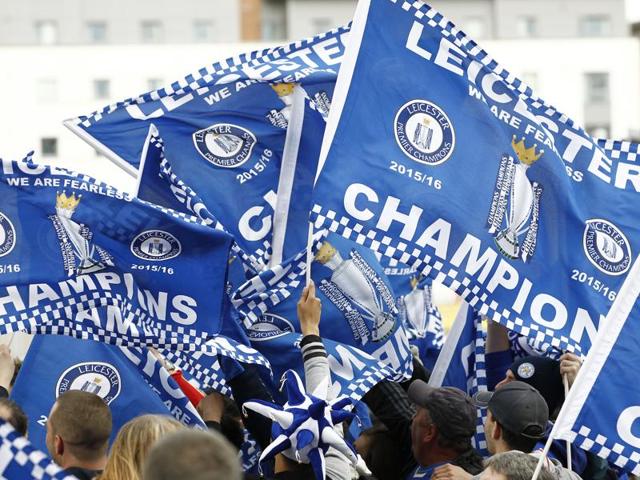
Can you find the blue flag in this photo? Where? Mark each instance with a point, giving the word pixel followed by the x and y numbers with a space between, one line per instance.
pixel 224 129
pixel 19 459
pixel 132 383
pixel 461 363
pixel 358 307
pixel 472 179
pixel 601 412
pixel 83 259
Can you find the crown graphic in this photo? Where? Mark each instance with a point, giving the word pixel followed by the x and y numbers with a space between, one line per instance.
pixel 66 202
pixel 528 156
pixel 283 89
pixel 325 253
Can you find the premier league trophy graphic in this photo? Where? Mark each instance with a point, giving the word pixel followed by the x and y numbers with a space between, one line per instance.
pixel 515 206
pixel 423 134
pixel 359 293
pixel 78 252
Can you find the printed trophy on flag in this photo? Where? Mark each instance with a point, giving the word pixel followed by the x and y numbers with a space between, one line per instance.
pixel 92 386
pixel 75 239
pixel 515 206
pixel 359 293
pixel 280 118
pixel 415 308
pixel 423 134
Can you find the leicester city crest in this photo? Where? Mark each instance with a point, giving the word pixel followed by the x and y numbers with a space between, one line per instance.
pixel 99 378
pixel 225 145
pixel 424 132
pixel 268 327
pixel 7 235
pixel 606 247
pixel 155 245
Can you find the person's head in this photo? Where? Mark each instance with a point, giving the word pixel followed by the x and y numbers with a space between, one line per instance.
pixel 12 413
pixel 543 374
pixel 380 451
pixel 513 466
pixel 516 419
pixel 78 430
pixel 132 444
pixel 444 423
pixel 192 454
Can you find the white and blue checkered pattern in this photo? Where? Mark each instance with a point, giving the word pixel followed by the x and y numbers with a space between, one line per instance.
pixel 620 150
pixel 471 291
pixel 207 378
pixel 21 460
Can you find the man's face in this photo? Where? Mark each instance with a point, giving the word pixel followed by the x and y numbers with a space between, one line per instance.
pixel 509 377
pixel 421 427
pixel 489 474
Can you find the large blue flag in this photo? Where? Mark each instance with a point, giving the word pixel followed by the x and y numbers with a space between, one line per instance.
pixel 602 411
pixel 358 308
pixel 132 382
pixel 83 259
pixel 472 179
pixel 224 129
pixel 19 459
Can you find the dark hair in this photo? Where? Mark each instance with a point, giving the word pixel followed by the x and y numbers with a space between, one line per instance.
pixel 516 441
pixel 15 415
pixel 516 466
pixel 383 456
pixel 470 461
pixel 193 455
pixel 83 421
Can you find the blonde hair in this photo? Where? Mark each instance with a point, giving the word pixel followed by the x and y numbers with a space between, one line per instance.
pixel 132 444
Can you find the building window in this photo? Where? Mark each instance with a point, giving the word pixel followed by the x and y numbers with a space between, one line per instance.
pixel 47 32
pixel 154 83
pixel 151 31
pixel 101 89
pixel 320 25
pixel 526 27
pixel 203 31
pixel 49 147
pixel 46 90
pixel 97 32
pixel 597 88
pixel 595 26
pixel 475 27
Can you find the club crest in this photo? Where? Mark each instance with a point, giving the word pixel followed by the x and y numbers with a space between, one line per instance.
pixel 268 327
pixel 99 378
pixel 225 145
pixel 7 235
pixel 424 132
pixel 155 245
pixel 606 247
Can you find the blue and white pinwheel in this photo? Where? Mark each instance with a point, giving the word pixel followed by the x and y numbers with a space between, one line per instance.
pixel 303 429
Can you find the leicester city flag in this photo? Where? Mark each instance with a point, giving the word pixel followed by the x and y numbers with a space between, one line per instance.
pixel 132 384
pixel 224 130
pixel 602 411
pixel 80 258
pixel 472 179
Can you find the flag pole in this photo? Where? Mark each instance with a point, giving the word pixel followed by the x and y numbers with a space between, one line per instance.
pixel 309 256
pixel 565 380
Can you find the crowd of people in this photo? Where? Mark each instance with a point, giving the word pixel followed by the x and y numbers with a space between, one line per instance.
pixel 417 432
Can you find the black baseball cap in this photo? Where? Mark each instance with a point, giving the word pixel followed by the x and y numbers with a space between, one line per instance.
pixel 450 409
pixel 518 407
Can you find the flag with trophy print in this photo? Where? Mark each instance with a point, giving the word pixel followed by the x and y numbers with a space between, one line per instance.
pixel 472 179
pixel 358 308
pixel 224 130
pixel 130 381
pixel 83 259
